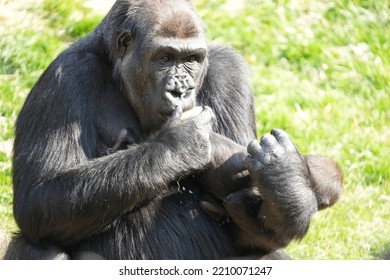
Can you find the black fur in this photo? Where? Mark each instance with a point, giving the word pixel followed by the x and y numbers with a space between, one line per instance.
pixel 74 195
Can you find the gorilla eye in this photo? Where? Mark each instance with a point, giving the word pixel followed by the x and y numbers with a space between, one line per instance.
pixel 192 59
pixel 165 59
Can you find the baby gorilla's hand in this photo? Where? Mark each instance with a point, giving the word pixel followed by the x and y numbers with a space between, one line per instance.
pixel 275 163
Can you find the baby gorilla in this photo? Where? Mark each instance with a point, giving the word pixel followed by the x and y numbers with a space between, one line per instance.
pixel 276 150
pixel 253 183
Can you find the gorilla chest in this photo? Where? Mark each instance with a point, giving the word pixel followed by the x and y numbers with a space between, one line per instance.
pixel 118 132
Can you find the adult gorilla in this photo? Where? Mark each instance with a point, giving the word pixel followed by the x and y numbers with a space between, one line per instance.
pixel 141 68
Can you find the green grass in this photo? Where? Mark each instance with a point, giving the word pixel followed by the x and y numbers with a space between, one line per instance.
pixel 321 71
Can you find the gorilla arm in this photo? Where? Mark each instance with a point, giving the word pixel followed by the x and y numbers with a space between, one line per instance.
pixel 62 192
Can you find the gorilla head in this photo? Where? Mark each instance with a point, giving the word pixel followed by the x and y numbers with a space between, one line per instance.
pixel 160 57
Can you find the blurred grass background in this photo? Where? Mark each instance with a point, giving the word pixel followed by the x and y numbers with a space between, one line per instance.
pixel 320 69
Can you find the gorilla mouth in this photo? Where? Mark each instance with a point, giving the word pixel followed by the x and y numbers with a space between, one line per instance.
pixel 167 116
pixel 188 113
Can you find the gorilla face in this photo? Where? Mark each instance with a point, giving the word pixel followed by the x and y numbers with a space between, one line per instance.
pixel 164 69
pixel 176 75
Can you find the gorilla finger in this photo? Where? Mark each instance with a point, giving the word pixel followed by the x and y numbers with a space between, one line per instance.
pixel 176 115
pixel 268 143
pixel 254 149
pixel 192 112
pixel 271 145
pixel 284 139
pixel 207 117
pixel 259 154
pixel 252 165
pixel 207 112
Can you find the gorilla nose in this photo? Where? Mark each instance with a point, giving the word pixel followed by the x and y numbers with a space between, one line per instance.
pixel 179 85
pixel 180 77
pixel 179 91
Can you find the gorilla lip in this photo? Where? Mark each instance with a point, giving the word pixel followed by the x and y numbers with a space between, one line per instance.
pixel 167 116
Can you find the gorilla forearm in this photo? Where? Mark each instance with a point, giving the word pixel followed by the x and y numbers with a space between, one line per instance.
pixel 123 177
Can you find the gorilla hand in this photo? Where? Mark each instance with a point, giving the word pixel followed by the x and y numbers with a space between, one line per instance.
pixel 189 138
pixel 280 205
pixel 276 164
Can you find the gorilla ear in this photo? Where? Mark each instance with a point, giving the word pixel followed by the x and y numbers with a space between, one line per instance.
pixel 124 43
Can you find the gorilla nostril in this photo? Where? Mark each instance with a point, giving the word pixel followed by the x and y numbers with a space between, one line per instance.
pixel 176 93
pixel 181 77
